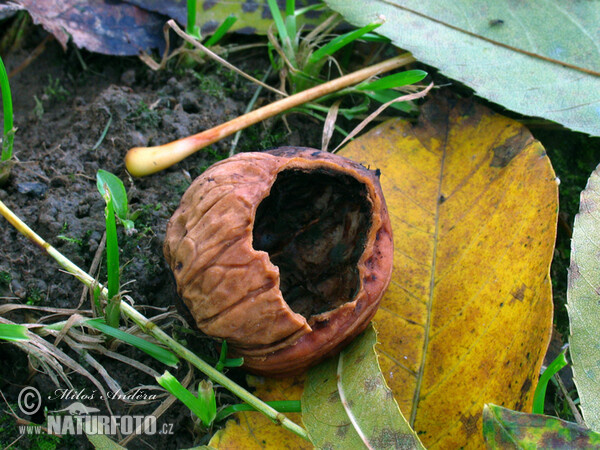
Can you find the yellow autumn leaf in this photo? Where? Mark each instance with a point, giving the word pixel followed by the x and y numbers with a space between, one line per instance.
pixel 253 430
pixel 468 314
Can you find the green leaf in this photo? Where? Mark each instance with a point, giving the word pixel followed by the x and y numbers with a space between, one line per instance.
pixel 395 80
pixel 100 441
pixel 540 391
pixel 191 28
pixel 341 395
pixel 583 302
pixel 7 113
pixel 511 53
pixel 503 428
pixel 158 353
pixel 203 411
pixel 13 332
pixel 112 256
pixel 206 395
pixel 389 94
pixel 340 41
pixel 221 31
pixel 116 190
pixel 227 362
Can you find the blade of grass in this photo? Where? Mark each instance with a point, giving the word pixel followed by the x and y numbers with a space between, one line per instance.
pixel 395 80
pixel 191 28
pixel 7 111
pixel 337 43
pixel 221 31
pixel 104 132
pixel 10 332
pixel 158 353
pixel 203 411
pixel 290 21
pixel 284 37
pixel 112 313
pixel 298 12
pixel 389 95
pixel 227 362
pixel 206 395
pixel 540 391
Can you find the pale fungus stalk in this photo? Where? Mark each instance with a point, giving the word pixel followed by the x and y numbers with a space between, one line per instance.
pixel 142 161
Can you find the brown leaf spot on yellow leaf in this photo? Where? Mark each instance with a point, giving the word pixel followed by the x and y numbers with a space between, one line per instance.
pixel 519 293
pixel 470 422
pixel 505 152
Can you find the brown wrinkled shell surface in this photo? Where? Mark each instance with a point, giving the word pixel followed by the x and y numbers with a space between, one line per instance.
pixel 233 290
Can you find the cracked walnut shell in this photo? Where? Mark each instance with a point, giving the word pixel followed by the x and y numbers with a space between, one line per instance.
pixel 285 254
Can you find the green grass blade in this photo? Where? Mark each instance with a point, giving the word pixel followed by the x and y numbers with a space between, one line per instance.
pixel 221 31
pixel 227 362
pixel 7 111
pixel 290 7
pixel 112 254
pixel 191 28
pixel 278 19
pixel 206 395
pixel 341 41
pixel 282 406
pixel 158 353
pixel 104 132
pixel 171 384
pixel 298 12
pixel 101 441
pixel 387 95
pixel 284 37
pixel 395 80
pixel 13 332
pixel 540 391
pixel 290 18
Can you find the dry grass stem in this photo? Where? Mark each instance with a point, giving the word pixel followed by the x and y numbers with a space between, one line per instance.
pixel 370 117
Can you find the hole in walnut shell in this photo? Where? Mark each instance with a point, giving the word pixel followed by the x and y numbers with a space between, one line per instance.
pixel 314 226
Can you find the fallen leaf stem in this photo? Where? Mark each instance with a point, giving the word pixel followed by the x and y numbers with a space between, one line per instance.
pixel 142 161
pixel 154 330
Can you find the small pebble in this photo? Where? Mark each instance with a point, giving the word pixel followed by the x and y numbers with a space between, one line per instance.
pixel 18 289
pixel 32 188
pixel 128 77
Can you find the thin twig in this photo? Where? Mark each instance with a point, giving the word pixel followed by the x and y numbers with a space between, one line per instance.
pixel 216 57
pixel 571 403
pixel 379 110
pixel 236 138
